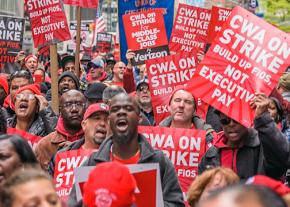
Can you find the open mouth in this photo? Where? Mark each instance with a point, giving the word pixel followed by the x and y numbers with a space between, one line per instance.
pixel 122 125
pixel 23 106
pixel 64 89
pixel 74 117
pixel 101 133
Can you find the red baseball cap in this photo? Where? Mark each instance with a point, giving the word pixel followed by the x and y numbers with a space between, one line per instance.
pixel 95 108
pixel 110 184
pixel 35 88
pixel 275 185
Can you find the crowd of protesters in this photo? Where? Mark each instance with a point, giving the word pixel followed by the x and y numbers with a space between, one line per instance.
pixel 101 110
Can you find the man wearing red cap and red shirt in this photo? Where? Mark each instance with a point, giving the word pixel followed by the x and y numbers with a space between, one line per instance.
pixel 95 127
pixel 126 146
pixel 29 112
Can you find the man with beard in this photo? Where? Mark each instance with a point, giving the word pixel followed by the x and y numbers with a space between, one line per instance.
pixel 68 129
pixel 122 77
pixel 143 98
pixel 128 147
pixel 118 73
pixel 95 127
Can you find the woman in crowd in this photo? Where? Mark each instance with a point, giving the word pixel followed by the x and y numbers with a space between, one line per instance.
pixel 30 114
pixel 209 181
pixel 15 153
pixel 29 188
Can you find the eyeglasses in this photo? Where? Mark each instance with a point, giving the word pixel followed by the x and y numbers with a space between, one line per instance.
pixel 24 95
pixel 71 104
pixel 227 121
pixel 143 88
pixel 121 67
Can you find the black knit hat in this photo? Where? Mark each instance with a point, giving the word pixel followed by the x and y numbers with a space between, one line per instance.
pixel 95 91
pixel 72 76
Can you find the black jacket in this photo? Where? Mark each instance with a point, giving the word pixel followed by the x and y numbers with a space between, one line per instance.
pixel 172 194
pixel 263 152
pixel 44 123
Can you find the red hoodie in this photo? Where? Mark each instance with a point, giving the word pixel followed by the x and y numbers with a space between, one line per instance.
pixel 228 155
pixel 69 137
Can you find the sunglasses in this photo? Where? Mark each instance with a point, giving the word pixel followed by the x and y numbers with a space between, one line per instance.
pixel 227 121
pixel 143 88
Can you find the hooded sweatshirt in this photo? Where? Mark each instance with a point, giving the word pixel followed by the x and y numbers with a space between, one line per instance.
pixel 69 137
pixel 228 157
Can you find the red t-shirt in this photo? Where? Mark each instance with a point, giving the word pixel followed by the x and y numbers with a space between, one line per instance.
pixel 132 160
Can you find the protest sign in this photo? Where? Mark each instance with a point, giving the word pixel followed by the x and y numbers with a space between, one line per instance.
pixel 65 163
pixel 146 35
pixel 83 3
pixel 164 74
pixel 127 7
pixel 85 32
pixel 218 17
pixel 44 54
pixel 30 138
pixel 11 37
pixel 104 42
pixel 48 22
pixel 147 176
pixel 189 33
pixel 184 147
pixel 151 53
pixel 145 29
pixel 244 58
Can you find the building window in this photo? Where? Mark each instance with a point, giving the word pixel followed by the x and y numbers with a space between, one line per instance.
pixel 11 7
pixel 87 14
